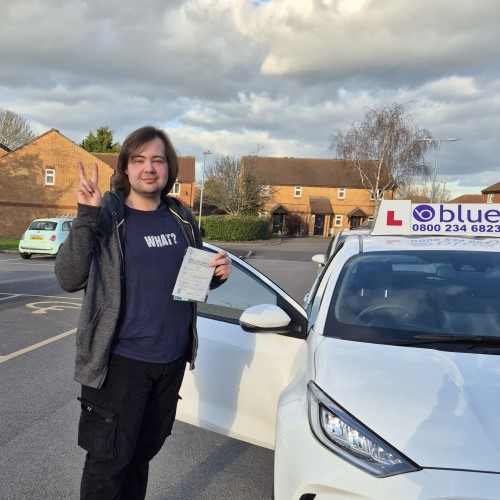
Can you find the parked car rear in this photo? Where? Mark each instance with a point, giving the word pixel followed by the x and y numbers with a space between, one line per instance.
pixel 44 236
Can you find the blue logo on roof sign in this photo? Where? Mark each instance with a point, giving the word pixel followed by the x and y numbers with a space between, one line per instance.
pixel 423 213
pixel 459 213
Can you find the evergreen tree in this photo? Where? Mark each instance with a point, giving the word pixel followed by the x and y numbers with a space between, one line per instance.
pixel 101 142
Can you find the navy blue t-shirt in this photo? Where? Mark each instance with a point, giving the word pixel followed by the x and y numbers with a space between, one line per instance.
pixel 152 326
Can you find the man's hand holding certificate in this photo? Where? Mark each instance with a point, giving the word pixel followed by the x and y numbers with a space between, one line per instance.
pixel 194 276
pixel 197 270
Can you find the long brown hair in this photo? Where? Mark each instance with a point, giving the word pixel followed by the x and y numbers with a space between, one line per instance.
pixel 131 145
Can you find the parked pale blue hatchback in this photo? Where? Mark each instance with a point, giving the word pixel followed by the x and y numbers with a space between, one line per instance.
pixel 44 236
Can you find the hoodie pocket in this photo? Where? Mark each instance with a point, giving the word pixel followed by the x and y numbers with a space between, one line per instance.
pixel 97 430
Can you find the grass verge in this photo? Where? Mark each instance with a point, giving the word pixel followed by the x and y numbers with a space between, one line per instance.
pixel 9 243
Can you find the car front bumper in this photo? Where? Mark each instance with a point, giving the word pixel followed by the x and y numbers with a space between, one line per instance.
pixel 304 466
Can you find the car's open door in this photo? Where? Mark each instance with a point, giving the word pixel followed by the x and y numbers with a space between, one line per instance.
pixel 239 376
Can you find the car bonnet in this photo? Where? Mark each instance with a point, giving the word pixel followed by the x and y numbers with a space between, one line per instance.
pixel 438 408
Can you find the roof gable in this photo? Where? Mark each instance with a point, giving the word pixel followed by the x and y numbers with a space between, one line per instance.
pixel 52 141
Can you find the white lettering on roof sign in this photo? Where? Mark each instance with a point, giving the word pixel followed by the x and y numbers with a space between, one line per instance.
pixel 402 217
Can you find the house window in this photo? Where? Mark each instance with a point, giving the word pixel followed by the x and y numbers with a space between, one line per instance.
pixel 264 190
pixel 176 188
pixel 50 176
pixel 298 192
pixel 341 194
pixel 380 195
pixel 338 220
pixel 490 198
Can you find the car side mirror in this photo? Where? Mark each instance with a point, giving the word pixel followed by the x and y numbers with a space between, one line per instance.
pixel 319 259
pixel 266 318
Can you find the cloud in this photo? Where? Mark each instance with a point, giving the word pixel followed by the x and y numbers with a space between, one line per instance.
pixel 235 75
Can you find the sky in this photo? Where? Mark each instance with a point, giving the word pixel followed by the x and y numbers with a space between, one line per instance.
pixel 274 78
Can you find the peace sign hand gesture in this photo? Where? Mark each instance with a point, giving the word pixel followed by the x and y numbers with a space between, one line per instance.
pixel 88 192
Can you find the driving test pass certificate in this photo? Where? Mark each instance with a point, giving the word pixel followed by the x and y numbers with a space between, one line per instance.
pixel 195 274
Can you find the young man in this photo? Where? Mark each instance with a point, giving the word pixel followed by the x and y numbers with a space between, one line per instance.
pixel 133 338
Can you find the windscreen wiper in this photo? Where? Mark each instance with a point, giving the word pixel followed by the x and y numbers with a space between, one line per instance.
pixel 465 339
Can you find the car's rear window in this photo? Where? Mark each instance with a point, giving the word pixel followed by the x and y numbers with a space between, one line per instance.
pixel 43 225
pixel 388 295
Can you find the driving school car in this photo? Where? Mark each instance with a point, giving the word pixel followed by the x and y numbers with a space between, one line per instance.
pixel 386 385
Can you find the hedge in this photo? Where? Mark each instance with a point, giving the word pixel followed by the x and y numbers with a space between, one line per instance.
pixel 234 227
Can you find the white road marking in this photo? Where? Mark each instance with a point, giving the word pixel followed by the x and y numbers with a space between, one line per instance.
pixel 42 307
pixel 63 297
pixel 32 263
pixel 36 346
pixel 8 296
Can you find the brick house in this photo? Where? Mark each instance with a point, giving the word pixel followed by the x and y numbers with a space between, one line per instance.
pixel 492 193
pixel 311 196
pixel 488 195
pixel 39 179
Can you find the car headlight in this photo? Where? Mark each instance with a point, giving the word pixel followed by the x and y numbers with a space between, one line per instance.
pixel 348 438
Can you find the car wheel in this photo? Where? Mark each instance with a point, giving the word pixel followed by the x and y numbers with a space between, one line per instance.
pixel 25 255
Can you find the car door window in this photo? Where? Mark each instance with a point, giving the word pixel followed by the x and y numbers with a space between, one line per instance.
pixel 66 225
pixel 241 291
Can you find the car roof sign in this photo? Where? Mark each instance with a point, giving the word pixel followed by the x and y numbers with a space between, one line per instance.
pixel 402 217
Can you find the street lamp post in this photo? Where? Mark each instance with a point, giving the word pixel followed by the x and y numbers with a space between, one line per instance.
pixel 438 149
pixel 205 153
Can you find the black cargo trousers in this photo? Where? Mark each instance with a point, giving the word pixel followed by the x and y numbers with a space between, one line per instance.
pixel 124 424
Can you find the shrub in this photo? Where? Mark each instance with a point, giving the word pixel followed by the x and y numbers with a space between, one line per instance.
pixel 234 227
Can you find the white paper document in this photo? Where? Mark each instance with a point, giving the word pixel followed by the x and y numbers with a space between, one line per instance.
pixel 193 280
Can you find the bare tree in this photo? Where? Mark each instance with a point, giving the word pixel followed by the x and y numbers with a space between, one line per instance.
pixel 257 149
pixel 387 149
pixel 421 193
pixel 14 129
pixel 230 189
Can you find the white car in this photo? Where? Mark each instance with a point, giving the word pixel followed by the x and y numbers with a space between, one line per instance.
pixel 387 387
pixel 44 236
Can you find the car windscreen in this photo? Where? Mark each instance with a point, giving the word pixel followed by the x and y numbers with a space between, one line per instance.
pixel 43 225
pixel 388 297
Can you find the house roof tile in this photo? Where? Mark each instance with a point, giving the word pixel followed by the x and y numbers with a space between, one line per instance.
pixel 492 189
pixel 320 205
pixel 304 171
pixel 357 212
pixel 468 198
pixel 278 209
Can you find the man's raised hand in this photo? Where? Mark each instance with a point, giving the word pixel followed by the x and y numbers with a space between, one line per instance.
pixel 88 192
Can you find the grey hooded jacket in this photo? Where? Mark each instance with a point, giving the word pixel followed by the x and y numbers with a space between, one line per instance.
pixel 91 259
